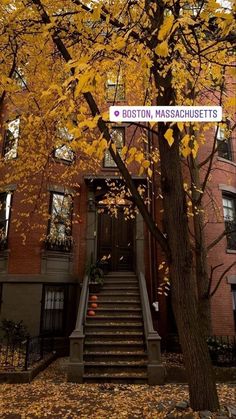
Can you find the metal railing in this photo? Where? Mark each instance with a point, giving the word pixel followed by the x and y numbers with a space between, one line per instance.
pixel 76 362
pixel 20 355
pixel 222 350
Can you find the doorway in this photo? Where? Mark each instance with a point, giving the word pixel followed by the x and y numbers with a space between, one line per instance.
pixel 116 240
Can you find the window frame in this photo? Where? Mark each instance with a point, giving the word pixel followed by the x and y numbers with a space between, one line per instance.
pixel 53 287
pixel 224 146
pixel 231 197
pixel 118 83
pixel 7 154
pixel 107 153
pixel 66 144
pixel 6 221
pixel 67 245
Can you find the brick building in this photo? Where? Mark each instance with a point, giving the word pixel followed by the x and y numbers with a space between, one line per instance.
pixel 43 261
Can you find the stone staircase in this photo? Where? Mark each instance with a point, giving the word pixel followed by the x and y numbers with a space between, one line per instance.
pixel 114 347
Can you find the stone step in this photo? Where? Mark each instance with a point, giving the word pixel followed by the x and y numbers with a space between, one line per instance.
pixel 114 335
pixel 117 378
pixel 122 274
pixel 115 305
pixel 115 367
pixel 121 346
pixel 111 299
pixel 112 319
pixel 117 356
pixel 111 326
pixel 115 311
pixel 119 287
pixel 120 281
pixel 119 294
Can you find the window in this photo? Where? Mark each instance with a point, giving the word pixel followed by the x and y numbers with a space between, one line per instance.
pixel 233 289
pixel 118 136
pixel 115 88
pixel 59 235
pixel 223 144
pixel 11 139
pixel 53 310
pixel 229 208
pixel 19 77
pixel 5 206
pixel 64 151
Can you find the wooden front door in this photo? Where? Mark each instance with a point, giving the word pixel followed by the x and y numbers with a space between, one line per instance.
pixel 116 238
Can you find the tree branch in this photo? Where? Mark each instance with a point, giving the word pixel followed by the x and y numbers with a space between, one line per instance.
pixel 105 131
pixel 221 277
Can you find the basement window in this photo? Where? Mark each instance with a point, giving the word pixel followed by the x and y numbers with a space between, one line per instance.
pixel 53 310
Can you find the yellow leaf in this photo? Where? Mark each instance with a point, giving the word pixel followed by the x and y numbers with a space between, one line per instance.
pixel 113 146
pixel 180 125
pixel 139 157
pixel 124 151
pixel 146 164
pixel 166 27
pixel 169 136
pixel 132 151
pixel 96 13
pixel 149 172
pixel 195 149
pixel 162 49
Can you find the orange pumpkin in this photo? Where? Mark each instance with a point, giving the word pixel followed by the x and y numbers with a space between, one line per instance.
pixel 93 298
pixel 94 305
pixel 91 313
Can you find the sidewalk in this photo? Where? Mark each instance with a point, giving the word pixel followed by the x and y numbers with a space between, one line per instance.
pixel 50 396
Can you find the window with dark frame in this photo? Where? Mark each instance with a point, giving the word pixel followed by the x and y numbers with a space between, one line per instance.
pixel 115 88
pixel 53 310
pixel 59 236
pixel 5 208
pixel 11 139
pixel 223 143
pixel 229 209
pixel 118 136
pixel 64 151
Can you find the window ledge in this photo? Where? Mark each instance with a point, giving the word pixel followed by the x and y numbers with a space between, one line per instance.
pixel 233 251
pixel 226 161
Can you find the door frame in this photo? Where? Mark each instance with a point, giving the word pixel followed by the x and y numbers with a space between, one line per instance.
pixel 92 233
pixel 115 237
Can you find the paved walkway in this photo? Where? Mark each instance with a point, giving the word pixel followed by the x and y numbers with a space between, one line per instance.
pixel 50 396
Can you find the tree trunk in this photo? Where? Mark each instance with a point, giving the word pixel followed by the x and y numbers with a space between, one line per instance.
pixel 202 275
pixel 202 388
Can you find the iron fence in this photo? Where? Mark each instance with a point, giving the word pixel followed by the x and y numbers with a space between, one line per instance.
pixel 20 355
pixel 222 350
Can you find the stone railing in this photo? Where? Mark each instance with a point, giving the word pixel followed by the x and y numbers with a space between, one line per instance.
pixel 153 340
pixel 76 361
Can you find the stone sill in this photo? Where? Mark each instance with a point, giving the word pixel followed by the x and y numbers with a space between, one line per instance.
pixel 230 251
pixel 226 161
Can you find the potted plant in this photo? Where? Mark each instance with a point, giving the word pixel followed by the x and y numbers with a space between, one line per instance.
pixel 96 277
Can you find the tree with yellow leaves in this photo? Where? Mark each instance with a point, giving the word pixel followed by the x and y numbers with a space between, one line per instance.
pixel 174 53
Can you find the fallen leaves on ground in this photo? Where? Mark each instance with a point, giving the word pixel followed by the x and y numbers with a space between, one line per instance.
pixel 50 396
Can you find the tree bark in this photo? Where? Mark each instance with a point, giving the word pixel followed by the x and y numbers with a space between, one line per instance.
pixel 183 280
pixel 202 274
